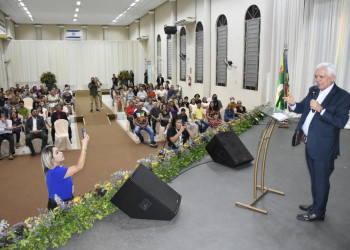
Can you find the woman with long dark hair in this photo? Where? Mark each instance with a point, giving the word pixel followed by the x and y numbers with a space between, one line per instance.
pixel 213 115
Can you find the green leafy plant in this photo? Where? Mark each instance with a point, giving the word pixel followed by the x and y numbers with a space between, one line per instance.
pixel 124 75
pixel 49 79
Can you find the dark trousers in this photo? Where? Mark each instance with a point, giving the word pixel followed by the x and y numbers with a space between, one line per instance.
pixel 154 123
pixel 9 137
pixel 29 137
pixel 52 203
pixel 18 135
pixel 320 171
pixel 131 121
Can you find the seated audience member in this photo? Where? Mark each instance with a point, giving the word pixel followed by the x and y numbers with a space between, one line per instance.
pixel 3 100
pixel 129 95
pixel 173 98
pixel 173 108
pixel 68 100
pixel 192 105
pixel 240 109
pixel 186 103
pixel 52 99
pixel 155 115
pixel 178 133
pixel 27 94
pixel 6 134
pixel 171 92
pixel 35 128
pixel 165 116
pixel 199 117
pixel 213 115
pixel 178 90
pixel 35 90
pixel 197 97
pixel 183 116
pixel 232 102
pixel 135 90
pixel 16 127
pixel 205 103
pixel 229 113
pixel 215 98
pixel 180 103
pixel 161 93
pixel 142 94
pixel 64 108
pixel 39 98
pixel 117 99
pixel 23 111
pixel 59 114
pixel 129 111
pixel 12 102
pixel 141 122
pixel 151 93
pixel 148 104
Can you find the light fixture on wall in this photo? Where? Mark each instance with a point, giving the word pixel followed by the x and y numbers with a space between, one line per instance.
pixel 229 64
pixel 142 38
pixel 182 56
pixel 185 21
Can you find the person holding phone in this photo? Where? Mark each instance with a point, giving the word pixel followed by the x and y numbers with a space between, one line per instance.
pixel 59 179
pixel 178 133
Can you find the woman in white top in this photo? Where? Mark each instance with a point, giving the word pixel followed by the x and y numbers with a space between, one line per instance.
pixel 52 100
pixel 205 103
pixel 192 104
pixel 161 93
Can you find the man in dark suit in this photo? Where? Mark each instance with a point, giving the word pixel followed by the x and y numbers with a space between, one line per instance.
pixel 35 128
pixel 160 80
pixel 58 114
pixel 325 110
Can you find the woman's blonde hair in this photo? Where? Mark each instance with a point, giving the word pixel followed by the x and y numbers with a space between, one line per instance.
pixel 46 158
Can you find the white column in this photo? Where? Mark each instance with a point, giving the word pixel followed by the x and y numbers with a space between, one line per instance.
pixel 7 25
pixel 137 28
pixel 39 35
pixel 207 48
pixel 127 32
pixel 84 31
pixel 173 18
pixel 105 32
pixel 62 32
pixel 151 44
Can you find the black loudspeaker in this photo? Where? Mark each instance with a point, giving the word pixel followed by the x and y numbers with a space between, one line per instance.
pixel 170 30
pixel 145 196
pixel 227 149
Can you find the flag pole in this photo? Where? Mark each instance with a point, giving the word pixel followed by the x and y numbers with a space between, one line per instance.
pixel 285 123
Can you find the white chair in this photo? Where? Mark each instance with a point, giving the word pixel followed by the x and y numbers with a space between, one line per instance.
pixel 5 148
pixel 61 135
pixel 28 103
pixel 37 143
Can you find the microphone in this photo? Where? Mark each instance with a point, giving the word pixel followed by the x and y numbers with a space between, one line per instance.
pixel 313 97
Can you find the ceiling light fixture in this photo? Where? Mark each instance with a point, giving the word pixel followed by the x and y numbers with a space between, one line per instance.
pixel 136 1
pixel 128 8
pixel 25 8
pixel 22 4
pixel 74 20
pixel 77 10
pixel 75 15
pixel 132 4
pixel 78 2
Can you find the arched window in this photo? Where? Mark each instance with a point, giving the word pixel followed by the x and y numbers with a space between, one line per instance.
pixel 168 60
pixel 159 55
pixel 183 54
pixel 221 51
pixel 251 48
pixel 199 53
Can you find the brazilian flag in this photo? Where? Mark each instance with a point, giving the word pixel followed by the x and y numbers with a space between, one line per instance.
pixel 283 84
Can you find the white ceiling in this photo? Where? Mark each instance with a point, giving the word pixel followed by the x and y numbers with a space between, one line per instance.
pixel 92 12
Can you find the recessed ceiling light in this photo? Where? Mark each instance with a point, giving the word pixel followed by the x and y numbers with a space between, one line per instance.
pixel 114 21
pixel 128 8
pixel 22 4
pixel 28 13
pixel 25 8
pixel 78 2
pixel 77 10
pixel 74 20
pixel 132 4
pixel 75 15
pixel 136 1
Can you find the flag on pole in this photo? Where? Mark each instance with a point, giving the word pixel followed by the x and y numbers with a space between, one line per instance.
pixel 283 83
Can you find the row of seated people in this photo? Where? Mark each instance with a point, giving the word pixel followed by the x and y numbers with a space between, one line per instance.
pixel 32 99
pixel 162 113
pixel 35 127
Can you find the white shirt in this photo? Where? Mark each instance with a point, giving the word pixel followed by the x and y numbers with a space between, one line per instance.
pixel 320 98
pixel 34 124
pixel 6 129
pixel 161 93
pixel 142 94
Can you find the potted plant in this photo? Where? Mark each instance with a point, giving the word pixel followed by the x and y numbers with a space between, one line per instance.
pixel 124 76
pixel 49 79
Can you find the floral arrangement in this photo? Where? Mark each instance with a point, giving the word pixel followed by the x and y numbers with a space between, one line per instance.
pixel 124 75
pixel 54 228
pixel 49 79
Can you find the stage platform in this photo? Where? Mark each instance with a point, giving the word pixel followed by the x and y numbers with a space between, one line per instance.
pixel 208 218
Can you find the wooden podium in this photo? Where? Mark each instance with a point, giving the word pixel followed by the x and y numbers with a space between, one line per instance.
pixel 264 142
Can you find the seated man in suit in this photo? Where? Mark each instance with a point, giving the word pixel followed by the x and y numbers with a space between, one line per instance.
pixel 58 114
pixel 35 128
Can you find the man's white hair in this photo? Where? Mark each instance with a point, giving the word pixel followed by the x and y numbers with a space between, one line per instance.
pixel 331 69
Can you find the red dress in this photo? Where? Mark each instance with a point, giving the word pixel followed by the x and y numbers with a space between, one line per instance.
pixel 212 121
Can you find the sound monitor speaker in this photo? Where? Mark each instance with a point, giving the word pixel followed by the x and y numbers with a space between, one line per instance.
pixel 170 30
pixel 227 149
pixel 145 196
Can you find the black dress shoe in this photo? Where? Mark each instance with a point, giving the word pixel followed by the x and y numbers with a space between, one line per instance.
pixel 310 217
pixel 307 208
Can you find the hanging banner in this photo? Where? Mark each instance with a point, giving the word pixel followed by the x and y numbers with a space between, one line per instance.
pixel 75 35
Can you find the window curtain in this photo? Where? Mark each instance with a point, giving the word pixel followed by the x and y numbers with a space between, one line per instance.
pixel 73 62
pixel 314 31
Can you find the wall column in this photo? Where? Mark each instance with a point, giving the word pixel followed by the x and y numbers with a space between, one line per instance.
pixel 128 32
pixel 84 31
pixel 39 35
pixel 105 32
pixel 207 48
pixel 151 44
pixel 173 18
pixel 62 32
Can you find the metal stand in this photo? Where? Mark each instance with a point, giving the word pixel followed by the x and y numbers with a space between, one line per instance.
pixel 265 137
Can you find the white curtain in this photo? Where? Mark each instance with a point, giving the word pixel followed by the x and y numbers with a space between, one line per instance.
pixel 314 31
pixel 73 62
